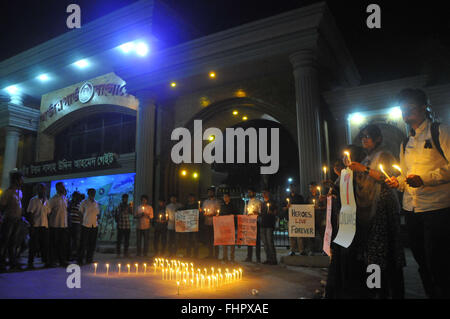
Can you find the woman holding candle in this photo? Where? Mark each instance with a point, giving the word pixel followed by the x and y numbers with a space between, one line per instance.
pixel 160 235
pixel 377 239
pixel 209 210
pixel 295 243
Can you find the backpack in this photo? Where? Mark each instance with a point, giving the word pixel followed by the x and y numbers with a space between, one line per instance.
pixel 434 136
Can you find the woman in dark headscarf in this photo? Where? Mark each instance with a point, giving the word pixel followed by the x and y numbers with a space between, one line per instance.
pixel 377 238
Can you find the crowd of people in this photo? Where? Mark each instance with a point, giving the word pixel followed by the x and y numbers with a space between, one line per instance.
pixel 62 231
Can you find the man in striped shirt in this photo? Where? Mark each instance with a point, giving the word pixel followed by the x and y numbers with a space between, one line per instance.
pixel 75 223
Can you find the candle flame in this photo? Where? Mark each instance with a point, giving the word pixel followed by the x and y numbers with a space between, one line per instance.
pixel 397 168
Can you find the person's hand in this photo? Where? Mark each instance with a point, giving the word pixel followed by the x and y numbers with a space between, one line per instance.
pixel 414 180
pixel 322 198
pixel 392 182
pixel 357 167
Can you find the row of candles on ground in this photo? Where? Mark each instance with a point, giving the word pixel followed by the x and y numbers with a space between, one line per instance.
pixel 186 275
pixel 119 269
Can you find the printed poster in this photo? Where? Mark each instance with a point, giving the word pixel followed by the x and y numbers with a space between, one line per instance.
pixel 186 221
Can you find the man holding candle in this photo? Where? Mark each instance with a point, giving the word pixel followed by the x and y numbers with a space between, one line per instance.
pixel 144 215
pixel 296 243
pixel 210 208
pixel 425 183
pixel 316 198
pixel 268 219
pixel 254 207
pixel 90 211
pixel 122 215
pixel 172 235
pixel 160 235
pixel 227 208
pixel 192 237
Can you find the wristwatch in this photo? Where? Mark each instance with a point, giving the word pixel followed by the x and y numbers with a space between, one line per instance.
pixel 367 170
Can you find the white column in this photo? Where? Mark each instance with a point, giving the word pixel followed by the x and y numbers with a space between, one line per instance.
pixel 12 136
pixel 308 126
pixel 145 145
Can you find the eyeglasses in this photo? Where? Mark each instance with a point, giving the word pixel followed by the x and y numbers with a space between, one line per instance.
pixel 366 136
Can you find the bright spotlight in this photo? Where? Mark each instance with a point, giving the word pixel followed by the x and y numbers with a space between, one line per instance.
pixel 395 113
pixel 290 179
pixel 184 172
pixel 173 84
pixel 244 118
pixel 211 138
pixel 235 112
pixel 288 190
pixel 82 63
pixel 43 77
pixel 142 48
pixel 212 74
pixel 356 118
pixel 195 175
pixel 127 47
pixel 12 89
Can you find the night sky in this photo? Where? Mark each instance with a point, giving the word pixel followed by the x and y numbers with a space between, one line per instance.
pixel 414 36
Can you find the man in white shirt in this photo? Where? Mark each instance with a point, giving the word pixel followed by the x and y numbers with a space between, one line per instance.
pixel 425 183
pixel 90 210
pixel 38 209
pixel 11 208
pixel 210 208
pixel 144 215
pixel 172 246
pixel 253 207
pixel 58 230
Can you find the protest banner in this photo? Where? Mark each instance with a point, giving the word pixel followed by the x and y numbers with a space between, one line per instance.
pixel 329 228
pixel 347 215
pixel 301 221
pixel 224 232
pixel 246 234
pixel 186 221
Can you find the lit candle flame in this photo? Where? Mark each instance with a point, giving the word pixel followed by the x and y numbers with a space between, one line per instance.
pixel 347 153
pixel 397 168
pixel 382 170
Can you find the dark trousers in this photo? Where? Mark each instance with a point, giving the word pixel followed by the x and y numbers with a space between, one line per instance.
pixel 75 236
pixel 160 237
pixel 39 241
pixel 258 246
pixel 87 244
pixel 192 244
pixel 225 252
pixel 269 245
pixel 429 238
pixel 213 251
pixel 142 235
pixel 123 235
pixel 172 242
pixel 58 244
pixel 8 233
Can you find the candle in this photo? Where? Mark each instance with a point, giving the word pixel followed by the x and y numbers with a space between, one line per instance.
pixel 136 265
pixel 382 170
pixel 314 201
pixel 209 281
pixel 347 153
pixel 240 273
pixel 197 280
pixel 95 268
pixel 198 204
pixel 318 188
pixel 192 282
pixel 324 172
pixel 119 265
pixel 268 207
pixel 184 282
pixel 145 268
pixel 107 269
pixel 218 212
pixel 288 200
pixel 397 168
pixel 160 217
pixel 128 266
pixel 178 287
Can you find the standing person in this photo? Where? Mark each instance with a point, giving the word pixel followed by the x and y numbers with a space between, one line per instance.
pixel 172 235
pixel 210 208
pixel 160 236
pixel 144 214
pixel 90 211
pixel 75 224
pixel 254 206
pixel 39 210
pixel 192 237
pixel 296 243
pixel 58 223
pixel 425 183
pixel 227 208
pixel 122 216
pixel 11 206
pixel 268 219
pixel 314 197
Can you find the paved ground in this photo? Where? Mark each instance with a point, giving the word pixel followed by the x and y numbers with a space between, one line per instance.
pixel 272 282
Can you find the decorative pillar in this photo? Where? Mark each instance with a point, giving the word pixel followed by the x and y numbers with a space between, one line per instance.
pixel 12 136
pixel 308 126
pixel 145 146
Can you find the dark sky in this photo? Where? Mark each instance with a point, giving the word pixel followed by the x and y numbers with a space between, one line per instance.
pixel 415 35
